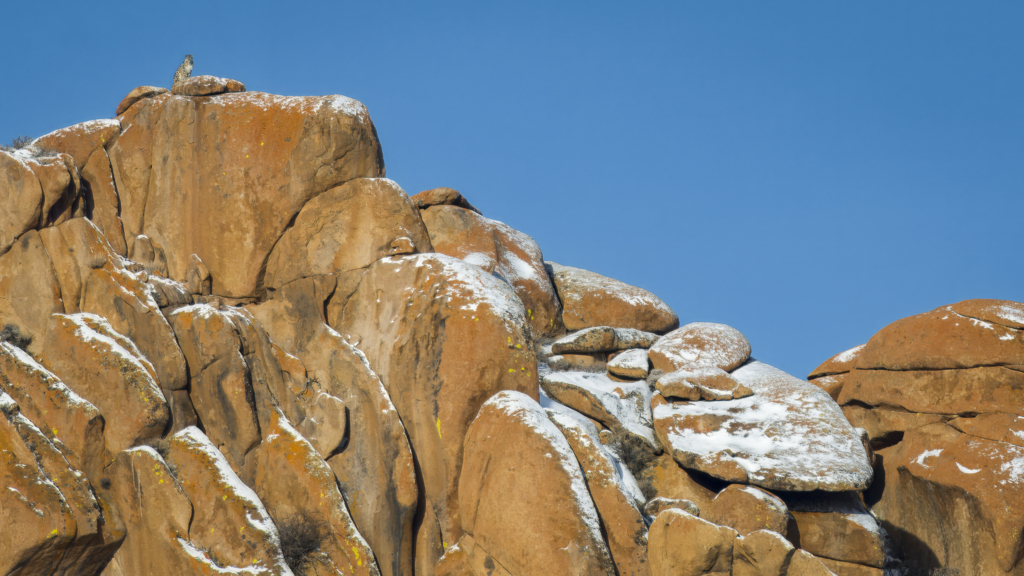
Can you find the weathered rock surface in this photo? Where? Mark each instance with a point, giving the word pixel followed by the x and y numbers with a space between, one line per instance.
pixel 137 94
pixel 274 154
pixel 788 435
pixel 206 85
pixel 681 544
pixel 835 527
pixel 511 449
pixel 590 299
pixel 670 481
pixel 761 553
pixel 439 380
pixel 700 345
pixel 659 504
pixel 747 509
pixel 701 383
pixel 603 339
pixel 498 248
pixel 619 406
pixel 442 197
pixel 344 230
pixel 630 364
pixel 616 506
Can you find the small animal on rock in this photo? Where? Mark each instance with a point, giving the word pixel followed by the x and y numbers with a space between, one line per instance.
pixel 184 71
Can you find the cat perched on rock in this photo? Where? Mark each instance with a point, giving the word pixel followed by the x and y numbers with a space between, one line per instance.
pixel 184 71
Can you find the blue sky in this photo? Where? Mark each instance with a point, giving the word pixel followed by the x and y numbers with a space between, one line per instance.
pixel 804 171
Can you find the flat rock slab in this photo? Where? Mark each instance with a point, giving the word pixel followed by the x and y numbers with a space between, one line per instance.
pixel 789 435
pixel 590 299
pixel 613 404
pixel 603 339
pixel 631 364
pixel 207 86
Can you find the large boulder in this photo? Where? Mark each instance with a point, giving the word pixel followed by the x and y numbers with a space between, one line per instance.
pixel 439 378
pixel 442 197
pixel 590 299
pixel 512 449
pixel 700 345
pixel 681 544
pixel 375 469
pixel 747 509
pixel 952 500
pixel 29 291
pixel 36 190
pixel 223 176
pixel 761 553
pixel 498 248
pixel 106 368
pixel 836 527
pixel 789 435
pixel 81 141
pixel 344 230
pixel 616 502
pixel 72 423
pixel 137 94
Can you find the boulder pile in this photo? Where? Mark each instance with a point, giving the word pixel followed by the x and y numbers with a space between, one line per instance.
pixel 230 345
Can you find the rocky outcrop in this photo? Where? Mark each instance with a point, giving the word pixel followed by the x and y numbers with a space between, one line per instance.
pixel 229 345
pixel 590 299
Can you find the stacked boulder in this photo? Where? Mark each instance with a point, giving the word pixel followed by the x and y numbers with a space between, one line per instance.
pixel 230 345
pixel 941 397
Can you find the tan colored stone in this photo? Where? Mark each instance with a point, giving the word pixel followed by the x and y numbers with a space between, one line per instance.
pixel 137 94
pixel 954 500
pixel 747 509
pixel 21 195
pixel 659 504
pixel 375 469
pixel 673 482
pixel 511 450
pixel 438 382
pixel 603 339
pixel 590 299
pixel 849 569
pixel 702 383
pixel 999 427
pixel 325 424
pixel 885 426
pixel 228 520
pixel 680 544
pixel 44 521
pixel 222 390
pixel 761 553
pixel 622 407
pixel 102 203
pixel 805 564
pixel 466 558
pixel 943 339
pixel 108 370
pixel 198 278
pixel 630 364
pixel 294 481
pixel 977 390
pixel 93 279
pixel 206 85
pixel 837 527
pixel 442 197
pixel 81 140
pixel 29 292
pixel 1002 312
pixel 582 362
pixel 700 345
pixel 832 384
pixel 622 522
pixel 59 180
pixel 498 248
pixel 789 435
pixel 69 421
pixel 839 364
pixel 273 154
pixel 346 229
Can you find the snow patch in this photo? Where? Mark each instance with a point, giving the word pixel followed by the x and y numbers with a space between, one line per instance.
pixel 920 460
pixel 967 470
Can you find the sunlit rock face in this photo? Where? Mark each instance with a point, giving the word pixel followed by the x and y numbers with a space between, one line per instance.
pixel 230 345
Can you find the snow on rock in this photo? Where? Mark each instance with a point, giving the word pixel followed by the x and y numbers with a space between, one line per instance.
pixel 522 489
pixel 603 339
pixel 616 405
pixel 631 364
pixel 839 364
pixel 699 345
pixel 590 299
pixel 789 435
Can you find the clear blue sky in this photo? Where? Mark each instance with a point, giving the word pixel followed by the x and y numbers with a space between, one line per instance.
pixel 804 171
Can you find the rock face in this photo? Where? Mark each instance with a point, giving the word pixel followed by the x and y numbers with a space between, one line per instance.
pixel 275 154
pixel 229 345
pixel 590 299
pixel 511 448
